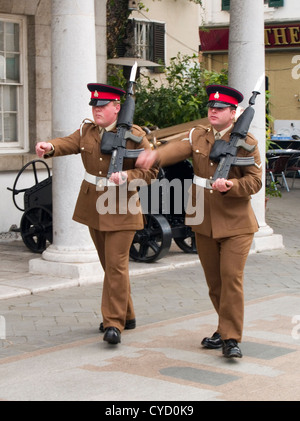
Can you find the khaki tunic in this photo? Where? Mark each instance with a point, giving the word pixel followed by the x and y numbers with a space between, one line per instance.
pixel 225 214
pixel 97 163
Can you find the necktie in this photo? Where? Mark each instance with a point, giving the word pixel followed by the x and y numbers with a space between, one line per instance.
pixel 218 136
pixel 101 131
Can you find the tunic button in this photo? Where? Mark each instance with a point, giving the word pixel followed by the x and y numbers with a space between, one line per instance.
pixel 197 150
pixel 100 172
pixel 210 177
pixel 211 191
pixel 211 164
pixel 82 148
pixel 101 159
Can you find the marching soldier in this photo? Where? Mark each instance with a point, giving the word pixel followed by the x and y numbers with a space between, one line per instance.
pixel 225 235
pixel 112 232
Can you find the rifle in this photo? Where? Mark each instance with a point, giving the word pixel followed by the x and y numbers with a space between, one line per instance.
pixel 115 143
pixel 225 152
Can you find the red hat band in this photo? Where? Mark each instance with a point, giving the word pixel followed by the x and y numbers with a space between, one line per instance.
pixel 217 96
pixel 105 95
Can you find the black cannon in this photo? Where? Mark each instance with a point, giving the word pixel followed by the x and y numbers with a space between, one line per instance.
pixel 149 244
pixel 36 221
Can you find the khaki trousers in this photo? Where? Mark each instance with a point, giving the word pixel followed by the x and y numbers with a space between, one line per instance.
pixel 223 261
pixel 113 251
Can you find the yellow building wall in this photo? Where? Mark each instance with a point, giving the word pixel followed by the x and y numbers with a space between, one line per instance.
pixel 283 72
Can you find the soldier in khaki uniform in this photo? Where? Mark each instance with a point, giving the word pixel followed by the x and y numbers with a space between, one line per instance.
pixel 111 229
pixel 225 236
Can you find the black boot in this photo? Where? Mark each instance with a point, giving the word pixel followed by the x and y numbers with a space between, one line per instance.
pixel 112 335
pixel 214 342
pixel 231 349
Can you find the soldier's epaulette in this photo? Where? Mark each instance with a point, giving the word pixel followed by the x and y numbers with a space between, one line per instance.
pixel 139 130
pixel 200 126
pixel 205 129
pixel 86 121
pixel 251 139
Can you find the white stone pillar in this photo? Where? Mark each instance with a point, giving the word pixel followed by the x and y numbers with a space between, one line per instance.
pixel 246 67
pixel 72 253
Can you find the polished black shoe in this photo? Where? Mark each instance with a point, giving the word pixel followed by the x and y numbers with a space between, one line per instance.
pixel 214 342
pixel 231 349
pixel 130 324
pixel 112 335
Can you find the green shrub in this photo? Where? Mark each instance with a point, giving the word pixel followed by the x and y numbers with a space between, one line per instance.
pixel 179 98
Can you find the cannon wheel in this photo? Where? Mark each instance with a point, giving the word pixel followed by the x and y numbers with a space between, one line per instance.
pixel 36 228
pixel 188 244
pixel 154 241
pixel 16 191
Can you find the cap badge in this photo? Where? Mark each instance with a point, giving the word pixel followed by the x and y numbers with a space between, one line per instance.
pixel 216 95
pixel 96 94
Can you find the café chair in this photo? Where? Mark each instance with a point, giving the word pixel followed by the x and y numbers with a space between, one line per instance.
pixel 293 166
pixel 276 167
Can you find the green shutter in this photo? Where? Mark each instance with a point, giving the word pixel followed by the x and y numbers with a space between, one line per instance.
pixel 225 4
pixel 158 45
pixel 276 3
pixel 272 3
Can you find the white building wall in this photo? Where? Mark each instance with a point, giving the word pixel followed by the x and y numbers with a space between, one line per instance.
pixel 211 13
pixel 182 19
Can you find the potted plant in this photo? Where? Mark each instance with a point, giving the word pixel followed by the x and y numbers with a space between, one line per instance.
pixel 272 191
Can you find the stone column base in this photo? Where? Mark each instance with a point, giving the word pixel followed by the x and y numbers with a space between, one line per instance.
pixel 66 262
pixel 265 239
pixel 79 271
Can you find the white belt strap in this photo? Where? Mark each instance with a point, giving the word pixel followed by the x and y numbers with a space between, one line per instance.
pixel 101 181
pixel 202 182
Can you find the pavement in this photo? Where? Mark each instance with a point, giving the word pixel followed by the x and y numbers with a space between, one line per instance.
pixel 51 348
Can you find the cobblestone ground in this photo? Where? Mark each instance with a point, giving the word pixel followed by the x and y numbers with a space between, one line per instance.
pixel 65 315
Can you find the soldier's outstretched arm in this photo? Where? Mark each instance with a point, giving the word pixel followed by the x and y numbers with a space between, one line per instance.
pixel 146 159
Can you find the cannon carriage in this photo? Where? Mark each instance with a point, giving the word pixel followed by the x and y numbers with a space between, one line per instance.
pixel 165 223
pixel 36 221
pixel 154 241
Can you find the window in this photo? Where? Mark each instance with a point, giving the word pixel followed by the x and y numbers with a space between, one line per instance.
pixel 225 4
pixel 148 40
pixel 143 40
pixel 13 133
pixel 276 3
pixel 270 3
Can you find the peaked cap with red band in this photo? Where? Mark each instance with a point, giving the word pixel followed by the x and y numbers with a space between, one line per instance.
pixel 103 94
pixel 220 96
